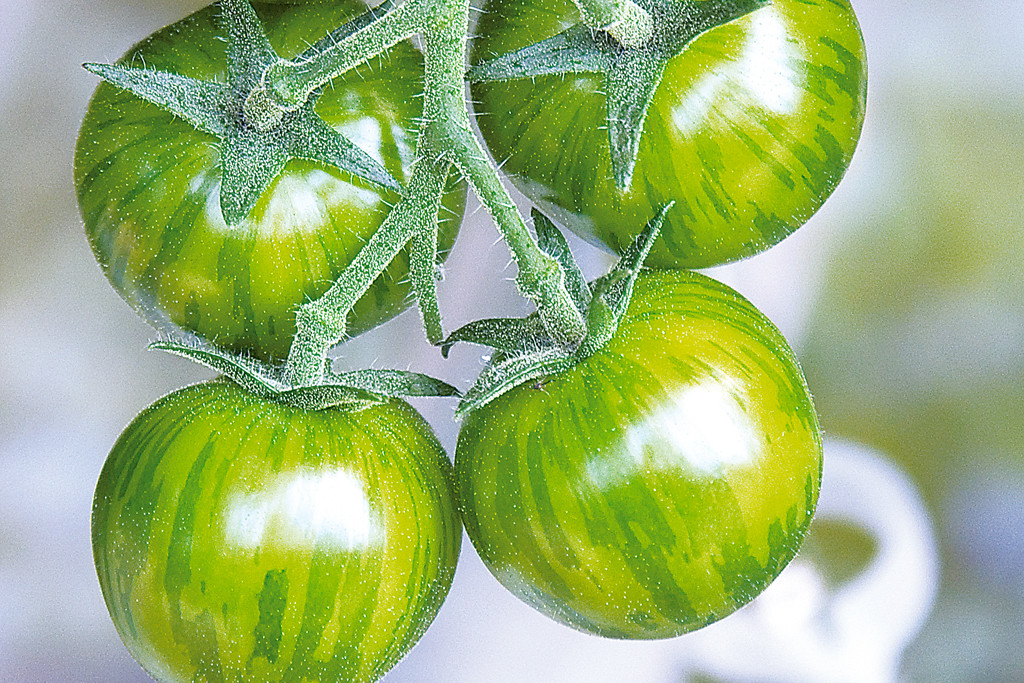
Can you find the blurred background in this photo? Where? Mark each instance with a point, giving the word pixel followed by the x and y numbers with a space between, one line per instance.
pixel 903 297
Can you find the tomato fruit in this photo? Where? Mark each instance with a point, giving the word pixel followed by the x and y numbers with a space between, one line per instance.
pixel 750 130
pixel 238 539
pixel 660 484
pixel 149 186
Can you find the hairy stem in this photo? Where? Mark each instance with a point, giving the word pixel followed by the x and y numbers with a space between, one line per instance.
pixel 290 84
pixel 540 277
pixel 321 323
pixel 445 138
pixel 624 20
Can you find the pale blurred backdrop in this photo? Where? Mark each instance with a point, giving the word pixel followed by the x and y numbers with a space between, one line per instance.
pixel 904 298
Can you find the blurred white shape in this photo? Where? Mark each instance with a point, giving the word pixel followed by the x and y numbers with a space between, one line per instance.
pixel 798 630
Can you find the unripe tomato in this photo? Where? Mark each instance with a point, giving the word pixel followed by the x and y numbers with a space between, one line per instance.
pixel 149 187
pixel 660 484
pixel 750 130
pixel 237 539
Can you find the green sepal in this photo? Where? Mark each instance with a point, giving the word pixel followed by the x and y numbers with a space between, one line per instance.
pixel 395 383
pixel 631 74
pixel 256 138
pixel 613 292
pixel 616 287
pixel 629 88
pixel 248 167
pixel 252 375
pixel 249 51
pixel 508 335
pixel 578 49
pixel 553 243
pixel 523 351
pixel 498 378
pixel 201 103
pixel 354 389
pixel 313 139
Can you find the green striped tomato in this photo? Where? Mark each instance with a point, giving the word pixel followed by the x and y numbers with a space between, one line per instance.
pixel 660 484
pixel 237 539
pixel 751 129
pixel 149 185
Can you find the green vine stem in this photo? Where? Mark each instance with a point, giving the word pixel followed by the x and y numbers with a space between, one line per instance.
pixel 623 20
pixel 289 84
pixel 540 277
pixel 445 138
pixel 321 323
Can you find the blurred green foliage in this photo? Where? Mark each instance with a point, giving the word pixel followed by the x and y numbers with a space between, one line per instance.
pixel 916 347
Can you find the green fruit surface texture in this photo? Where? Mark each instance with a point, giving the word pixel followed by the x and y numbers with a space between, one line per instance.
pixel 660 484
pixel 237 539
pixel 149 188
pixel 751 128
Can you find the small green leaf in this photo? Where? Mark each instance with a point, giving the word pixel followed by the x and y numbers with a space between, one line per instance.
pixel 247 373
pixel 616 288
pixel 508 335
pixel 200 103
pixel 499 378
pixel 633 257
pixel 578 49
pixel 552 242
pixel 395 383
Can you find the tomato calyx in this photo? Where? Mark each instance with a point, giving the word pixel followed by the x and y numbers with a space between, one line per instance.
pixel 631 72
pixel 523 349
pixel 355 389
pixel 257 138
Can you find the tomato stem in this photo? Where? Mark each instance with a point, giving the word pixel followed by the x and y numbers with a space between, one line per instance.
pixel 540 277
pixel 445 138
pixel 624 20
pixel 290 83
pixel 321 323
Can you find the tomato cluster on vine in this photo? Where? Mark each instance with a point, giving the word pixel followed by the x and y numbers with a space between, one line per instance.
pixel 639 458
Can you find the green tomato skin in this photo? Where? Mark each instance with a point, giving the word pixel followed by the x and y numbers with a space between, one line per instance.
pixel 149 189
pixel 659 485
pixel 751 129
pixel 238 539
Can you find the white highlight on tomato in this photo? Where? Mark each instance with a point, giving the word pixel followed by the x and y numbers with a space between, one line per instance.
pixel 761 69
pixel 702 427
pixel 304 509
